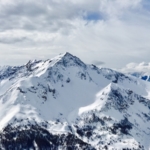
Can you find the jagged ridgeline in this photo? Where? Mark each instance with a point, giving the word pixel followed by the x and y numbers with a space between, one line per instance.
pixel 64 104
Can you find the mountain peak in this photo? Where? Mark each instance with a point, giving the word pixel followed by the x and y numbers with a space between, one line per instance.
pixel 66 59
pixel 67 54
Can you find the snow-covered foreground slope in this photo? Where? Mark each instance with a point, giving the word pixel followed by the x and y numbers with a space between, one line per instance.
pixel 63 103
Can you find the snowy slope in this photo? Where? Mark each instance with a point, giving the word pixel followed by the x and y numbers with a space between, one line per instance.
pixel 65 98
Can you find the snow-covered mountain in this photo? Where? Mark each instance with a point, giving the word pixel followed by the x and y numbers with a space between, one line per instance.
pixel 63 103
pixel 142 75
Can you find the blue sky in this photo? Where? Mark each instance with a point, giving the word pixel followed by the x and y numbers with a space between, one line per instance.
pixel 111 33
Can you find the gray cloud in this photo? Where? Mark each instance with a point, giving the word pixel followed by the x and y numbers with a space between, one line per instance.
pixel 98 63
pixel 42 15
pixel 24 9
pixel 12 40
pixel 114 31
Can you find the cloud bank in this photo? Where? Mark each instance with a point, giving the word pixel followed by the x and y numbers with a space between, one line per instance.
pixel 111 31
pixel 137 68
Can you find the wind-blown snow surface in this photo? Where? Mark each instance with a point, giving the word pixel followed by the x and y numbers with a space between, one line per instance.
pixel 44 104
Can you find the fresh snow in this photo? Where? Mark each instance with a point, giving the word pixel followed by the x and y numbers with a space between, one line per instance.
pixel 65 89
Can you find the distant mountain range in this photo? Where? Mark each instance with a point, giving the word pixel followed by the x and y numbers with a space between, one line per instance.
pixel 141 75
pixel 64 104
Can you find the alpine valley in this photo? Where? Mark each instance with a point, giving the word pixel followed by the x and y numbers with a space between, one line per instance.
pixel 65 104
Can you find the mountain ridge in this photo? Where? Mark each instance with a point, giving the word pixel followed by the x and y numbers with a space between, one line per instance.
pixel 63 97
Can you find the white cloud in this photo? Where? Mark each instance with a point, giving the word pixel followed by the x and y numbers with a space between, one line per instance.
pixel 137 68
pixel 112 31
pixel 117 8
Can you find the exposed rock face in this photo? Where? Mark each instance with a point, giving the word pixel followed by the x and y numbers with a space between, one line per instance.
pixel 36 137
